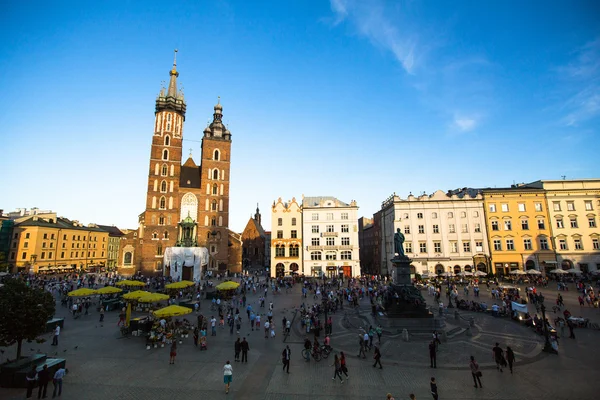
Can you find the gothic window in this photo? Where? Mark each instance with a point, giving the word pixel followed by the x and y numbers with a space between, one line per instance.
pixel 161 220
pixel 163 187
pixel 213 206
pixel 213 221
pixel 163 203
pixel 167 140
pixel 215 190
pixel 159 251
pixel 216 174
pixel 154 235
pixel 169 117
pixel 164 169
pixel 165 155
pixel 165 235
pixel 189 206
pixel 216 155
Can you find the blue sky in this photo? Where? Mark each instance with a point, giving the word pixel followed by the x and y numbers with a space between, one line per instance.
pixel 351 98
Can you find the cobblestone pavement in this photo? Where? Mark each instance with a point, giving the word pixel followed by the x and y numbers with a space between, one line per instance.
pixel 103 366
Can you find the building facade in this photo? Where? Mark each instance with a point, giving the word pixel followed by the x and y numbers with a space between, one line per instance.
pixel 114 240
pixel 444 232
pixel 573 210
pixel 518 228
pixel 330 237
pixel 253 243
pixel 47 243
pixel 286 238
pixel 176 191
pixel 367 246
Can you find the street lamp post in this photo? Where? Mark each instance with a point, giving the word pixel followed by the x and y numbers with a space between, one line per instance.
pixel 324 303
pixel 547 346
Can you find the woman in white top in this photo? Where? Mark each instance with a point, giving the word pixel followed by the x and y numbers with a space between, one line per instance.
pixel 227 375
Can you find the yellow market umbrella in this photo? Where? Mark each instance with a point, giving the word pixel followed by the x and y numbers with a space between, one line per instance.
pixel 179 285
pixel 135 295
pixel 229 285
pixel 127 282
pixel 109 290
pixel 82 292
pixel 153 298
pixel 172 311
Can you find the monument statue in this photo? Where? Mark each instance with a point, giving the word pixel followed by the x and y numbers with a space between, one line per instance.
pixel 398 244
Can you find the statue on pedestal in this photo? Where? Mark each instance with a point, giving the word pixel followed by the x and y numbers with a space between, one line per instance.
pixel 398 244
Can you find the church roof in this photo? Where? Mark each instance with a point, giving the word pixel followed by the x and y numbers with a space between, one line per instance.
pixel 189 162
pixel 190 177
pixel 259 228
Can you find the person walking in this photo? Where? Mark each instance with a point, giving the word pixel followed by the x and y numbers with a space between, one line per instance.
pixel 31 377
pixel 377 357
pixel 432 355
pixel 570 325
pixel 267 329
pixel 285 357
pixel 57 381
pixel 237 347
pixel 475 372
pixel 173 352
pixel 343 364
pixel 434 390
pixel 43 379
pixel 510 358
pixel 227 375
pixel 101 314
pixel 56 334
pixel 245 347
pixel 362 348
pixel 307 346
pixel 338 367
pixel 498 355
pixel 213 326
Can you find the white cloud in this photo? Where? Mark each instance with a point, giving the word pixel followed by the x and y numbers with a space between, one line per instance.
pixel 464 124
pixel 369 18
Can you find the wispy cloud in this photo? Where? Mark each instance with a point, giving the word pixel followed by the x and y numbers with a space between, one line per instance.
pixel 464 124
pixel 369 18
pixel 582 82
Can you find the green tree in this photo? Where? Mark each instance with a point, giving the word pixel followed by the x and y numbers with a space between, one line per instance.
pixel 24 312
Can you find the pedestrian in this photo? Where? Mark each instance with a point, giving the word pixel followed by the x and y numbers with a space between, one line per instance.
pixel 56 335
pixel 343 364
pixel 389 397
pixel 245 347
pixel 213 326
pixel 433 386
pixel 412 396
pixel 285 357
pixel 498 355
pixel 57 381
pixel 570 325
pixel 196 336
pixel 337 371
pixel 307 346
pixel 475 372
pixel 362 348
pixel 432 355
pixel 43 379
pixel 510 357
pixel 379 331
pixel 227 375
pixel 237 347
pixel 377 357
pixel 267 329
pixel 101 314
pixel 173 352
pixel 31 377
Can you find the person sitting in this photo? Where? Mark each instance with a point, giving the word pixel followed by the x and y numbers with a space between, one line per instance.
pixel 483 306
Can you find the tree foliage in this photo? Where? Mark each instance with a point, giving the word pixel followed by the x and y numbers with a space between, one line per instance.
pixel 24 312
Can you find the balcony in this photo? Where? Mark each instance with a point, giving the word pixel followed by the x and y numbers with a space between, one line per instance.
pixel 329 234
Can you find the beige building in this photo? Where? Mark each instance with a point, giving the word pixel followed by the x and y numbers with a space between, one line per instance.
pixel 286 238
pixel 443 232
pixel 47 243
pixel 114 240
pixel 573 206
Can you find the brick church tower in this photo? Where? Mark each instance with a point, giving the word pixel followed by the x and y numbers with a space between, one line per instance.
pixel 184 199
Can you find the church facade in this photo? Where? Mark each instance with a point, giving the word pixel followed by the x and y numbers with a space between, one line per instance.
pixel 187 204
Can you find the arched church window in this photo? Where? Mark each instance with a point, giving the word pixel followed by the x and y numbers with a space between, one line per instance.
pixel 166 235
pixel 216 156
pixel 213 221
pixel 216 174
pixel 215 189
pixel 154 235
pixel 165 155
pixel 169 117
pixel 213 206
pixel 161 220
pixel 165 170
pixel 163 203
pixel 167 140
pixel 163 186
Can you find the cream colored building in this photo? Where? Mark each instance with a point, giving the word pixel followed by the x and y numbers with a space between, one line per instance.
pixel 286 238
pixel 330 237
pixel 443 232
pixel 47 243
pixel 574 207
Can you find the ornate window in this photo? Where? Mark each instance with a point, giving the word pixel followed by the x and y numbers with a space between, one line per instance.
pixel 154 235
pixel 216 155
pixel 216 174
pixel 215 189
pixel 165 234
pixel 163 187
pixel 165 155
pixel 189 206
pixel 213 221
pixel 167 140
pixel 346 255
pixel 164 170
pixel 213 205
pixel 315 255
pixel 127 258
pixel 163 203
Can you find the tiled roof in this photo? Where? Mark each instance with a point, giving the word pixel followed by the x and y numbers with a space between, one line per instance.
pixel 112 230
pixel 319 201
pixel 60 223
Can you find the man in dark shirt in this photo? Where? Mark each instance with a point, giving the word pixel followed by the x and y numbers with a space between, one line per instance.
pixel 432 355
pixel 43 379
pixel 433 386
pixel 498 355
pixel 245 348
pixel 237 347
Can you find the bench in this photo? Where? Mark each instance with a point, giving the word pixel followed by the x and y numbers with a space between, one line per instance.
pixel 20 380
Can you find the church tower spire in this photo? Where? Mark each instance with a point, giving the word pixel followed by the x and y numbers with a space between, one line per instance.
pixel 172 92
pixel 173 99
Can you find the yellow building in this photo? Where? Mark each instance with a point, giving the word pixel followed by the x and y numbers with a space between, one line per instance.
pixel 573 206
pixel 518 229
pixel 45 243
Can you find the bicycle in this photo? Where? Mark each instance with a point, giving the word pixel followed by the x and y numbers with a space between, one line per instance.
pixel 315 355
